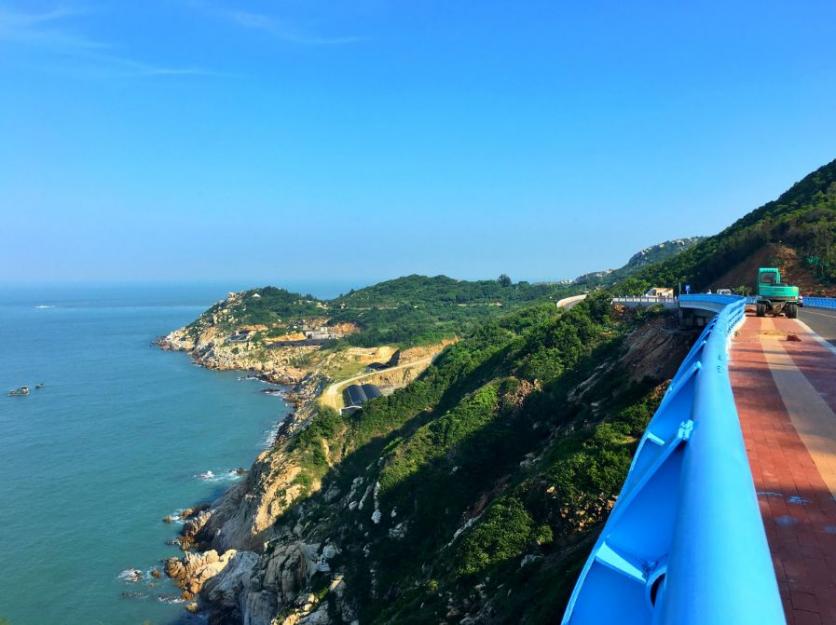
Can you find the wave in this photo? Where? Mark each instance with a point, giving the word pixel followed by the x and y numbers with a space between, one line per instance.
pixel 134 576
pixel 242 378
pixel 231 475
pixel 270 436
pixel 134 595
pixel 131 575
pixel 43 306
pixel 171 599
pixel 176 517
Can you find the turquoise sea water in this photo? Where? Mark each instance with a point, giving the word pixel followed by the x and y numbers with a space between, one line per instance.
pixel 117 438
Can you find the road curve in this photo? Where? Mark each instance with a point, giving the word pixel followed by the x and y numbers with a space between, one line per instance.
pixel 569 302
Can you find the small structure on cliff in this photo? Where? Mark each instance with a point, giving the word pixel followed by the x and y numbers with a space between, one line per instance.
pixel 356 395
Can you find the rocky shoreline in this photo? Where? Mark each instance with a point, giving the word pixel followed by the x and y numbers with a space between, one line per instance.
pixel 224 543
pixel 302 385
pixel 238 565
pixel 213 534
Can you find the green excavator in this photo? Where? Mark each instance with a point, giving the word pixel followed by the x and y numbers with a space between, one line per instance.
pixel 774 297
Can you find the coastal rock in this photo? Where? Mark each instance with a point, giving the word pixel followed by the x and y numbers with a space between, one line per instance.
pixel 224 590
pixel 244 517
pixel 287 569
pixel 192 527
pixel 210 346
pixel 252 589
pixel 269 573
pixel 193 570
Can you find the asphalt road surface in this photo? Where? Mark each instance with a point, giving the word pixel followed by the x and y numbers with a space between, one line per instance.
pixel 821 320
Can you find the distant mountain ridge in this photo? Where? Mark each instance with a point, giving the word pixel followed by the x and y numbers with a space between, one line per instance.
pixel 639 260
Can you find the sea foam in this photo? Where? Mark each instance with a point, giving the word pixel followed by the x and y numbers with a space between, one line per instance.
pixel 231 475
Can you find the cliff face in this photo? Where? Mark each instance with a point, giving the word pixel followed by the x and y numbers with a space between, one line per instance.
pixel 244 516
pixel 460 498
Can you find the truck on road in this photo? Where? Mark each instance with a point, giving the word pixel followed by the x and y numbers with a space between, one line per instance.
pixel 775 297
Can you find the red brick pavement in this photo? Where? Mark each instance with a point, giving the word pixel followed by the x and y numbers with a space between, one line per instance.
pixel 798 508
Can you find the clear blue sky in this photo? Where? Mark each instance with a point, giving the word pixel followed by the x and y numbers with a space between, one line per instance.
pixel 310 140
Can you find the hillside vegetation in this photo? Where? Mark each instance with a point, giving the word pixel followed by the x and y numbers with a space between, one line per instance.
pixel 802 219
pixel 478 487
pixel 420 309
pixel 407 311
pixel 473 494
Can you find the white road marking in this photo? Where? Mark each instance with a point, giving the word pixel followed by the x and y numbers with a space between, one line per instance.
pixel 809 412
pixel 812 312
pixel 815 336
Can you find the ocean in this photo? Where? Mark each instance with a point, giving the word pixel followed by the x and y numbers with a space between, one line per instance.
pixel 121 435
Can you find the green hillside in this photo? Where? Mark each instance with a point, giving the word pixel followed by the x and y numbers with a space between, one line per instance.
pixel 804 218
pixel 421 309
pixel 418 290
pixel 491 471
pixel 405 311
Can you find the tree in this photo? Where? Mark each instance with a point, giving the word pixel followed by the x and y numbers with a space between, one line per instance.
pixel 504 280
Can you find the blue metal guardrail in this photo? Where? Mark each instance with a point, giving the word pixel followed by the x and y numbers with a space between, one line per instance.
pixel 685 543
pixel 820 302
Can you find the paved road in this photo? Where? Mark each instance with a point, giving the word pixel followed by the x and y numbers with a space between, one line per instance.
pixel 821 320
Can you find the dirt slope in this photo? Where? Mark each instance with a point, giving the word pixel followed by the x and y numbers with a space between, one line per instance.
pixel 783 256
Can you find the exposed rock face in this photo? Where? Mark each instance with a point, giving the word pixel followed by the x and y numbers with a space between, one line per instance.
pixel 195 521
pixel 211 348
pixel 225 590
pixel 244 516
pixel 655 350
pixel 273 589
pixel 193 570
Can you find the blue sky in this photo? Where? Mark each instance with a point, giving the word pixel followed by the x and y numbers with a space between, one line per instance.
pixel 310 140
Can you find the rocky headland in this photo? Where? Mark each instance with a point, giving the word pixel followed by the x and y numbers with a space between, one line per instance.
pixel 235 562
